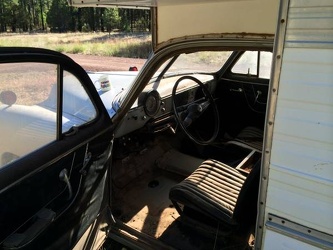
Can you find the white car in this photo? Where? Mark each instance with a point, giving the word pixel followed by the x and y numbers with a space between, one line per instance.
pixel 181 116
pixel 30 118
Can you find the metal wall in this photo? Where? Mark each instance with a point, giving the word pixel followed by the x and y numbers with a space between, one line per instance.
pixel 299 202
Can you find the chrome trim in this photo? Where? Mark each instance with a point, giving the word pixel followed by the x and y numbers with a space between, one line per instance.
pixel 270 118
pixel 299 232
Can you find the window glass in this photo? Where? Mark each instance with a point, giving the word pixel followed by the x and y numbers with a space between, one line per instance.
pixel 26 123
pixel 202 61
pixel 28 107
pixel 77 106
pixel 265 64
pixel 248 64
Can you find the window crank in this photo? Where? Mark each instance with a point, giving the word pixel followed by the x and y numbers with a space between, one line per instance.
pixel 64 177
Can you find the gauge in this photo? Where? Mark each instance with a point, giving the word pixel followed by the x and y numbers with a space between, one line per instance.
pixel 152 103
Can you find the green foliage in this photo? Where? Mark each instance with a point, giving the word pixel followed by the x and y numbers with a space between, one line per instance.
pixel 135 50
pixel 111 19
pixel 59 48
pixel 99 43
pixel 56 15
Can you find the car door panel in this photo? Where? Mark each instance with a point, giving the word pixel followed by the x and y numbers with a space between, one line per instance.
pixel 243 89
pixel 49 197
pixel 243 104
pixel 45 192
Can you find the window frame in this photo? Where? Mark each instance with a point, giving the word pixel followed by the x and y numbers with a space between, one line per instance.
pixel 62 63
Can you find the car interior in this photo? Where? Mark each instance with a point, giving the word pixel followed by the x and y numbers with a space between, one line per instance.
pixel 186 166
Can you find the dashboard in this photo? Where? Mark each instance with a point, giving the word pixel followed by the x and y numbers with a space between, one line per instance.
pixel 154 105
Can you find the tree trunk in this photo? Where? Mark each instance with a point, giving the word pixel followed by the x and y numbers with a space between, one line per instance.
pixel 92 19
pixel 79 20
pixel 102 10
pixel 41 14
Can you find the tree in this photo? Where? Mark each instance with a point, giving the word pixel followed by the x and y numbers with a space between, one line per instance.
pixel 32 15
pixel 111 19
pixel 5 14
pixel 59 16
pixel 41 6
pixel 2 16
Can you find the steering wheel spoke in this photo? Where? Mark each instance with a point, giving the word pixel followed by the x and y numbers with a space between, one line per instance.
pixel 204 106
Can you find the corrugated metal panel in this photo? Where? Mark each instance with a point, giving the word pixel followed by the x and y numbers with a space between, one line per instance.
pixel 310 24
pixel 301 170
pixel 301 165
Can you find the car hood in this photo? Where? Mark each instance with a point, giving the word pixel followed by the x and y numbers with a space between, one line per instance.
pixel 120 82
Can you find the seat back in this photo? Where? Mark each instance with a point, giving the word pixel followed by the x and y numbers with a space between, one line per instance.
pixel 221 192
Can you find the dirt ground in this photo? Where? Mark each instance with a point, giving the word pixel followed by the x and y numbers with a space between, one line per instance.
pixel 106 63
pixel 23 79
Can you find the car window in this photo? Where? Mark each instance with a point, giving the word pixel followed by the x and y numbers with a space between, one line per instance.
pixel 201 61
pixel 24 124
pixel 77 106
pixel 248 63
pixel 28 107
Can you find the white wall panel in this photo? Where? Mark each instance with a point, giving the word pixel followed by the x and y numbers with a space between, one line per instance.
pixel 276 241
pixel 310 24
pixel 300 186
pixel 301 169
pixel 213 17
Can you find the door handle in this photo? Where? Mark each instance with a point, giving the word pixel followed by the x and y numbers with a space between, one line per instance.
pixel 64 177
pixel 236 90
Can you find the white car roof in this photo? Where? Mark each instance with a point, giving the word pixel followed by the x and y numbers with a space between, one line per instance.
pixel 175 19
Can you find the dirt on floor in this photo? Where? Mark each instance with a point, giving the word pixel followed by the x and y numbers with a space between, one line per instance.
pixel 106 63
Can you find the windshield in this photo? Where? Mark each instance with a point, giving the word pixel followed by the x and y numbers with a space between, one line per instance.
pixel 198 62
pixel 201 62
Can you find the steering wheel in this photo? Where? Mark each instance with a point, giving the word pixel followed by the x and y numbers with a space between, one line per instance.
pixel 186 114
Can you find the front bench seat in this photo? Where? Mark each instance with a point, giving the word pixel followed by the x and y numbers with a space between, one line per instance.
pixel 221 192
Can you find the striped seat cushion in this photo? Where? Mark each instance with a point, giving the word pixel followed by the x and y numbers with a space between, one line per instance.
pixel 213 189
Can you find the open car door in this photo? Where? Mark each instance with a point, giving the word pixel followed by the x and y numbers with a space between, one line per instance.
pixel 55 146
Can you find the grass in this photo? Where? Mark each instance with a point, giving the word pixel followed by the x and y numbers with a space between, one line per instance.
pixel 32 82
pixel 132 45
